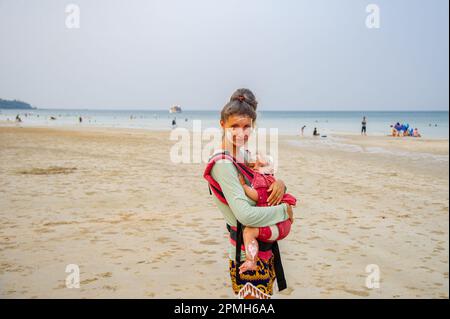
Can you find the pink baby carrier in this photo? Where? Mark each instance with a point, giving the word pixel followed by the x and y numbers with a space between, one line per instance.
pixel 236 232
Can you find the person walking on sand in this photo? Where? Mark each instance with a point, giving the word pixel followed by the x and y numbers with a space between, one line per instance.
pixel 303 129
pixel 364 126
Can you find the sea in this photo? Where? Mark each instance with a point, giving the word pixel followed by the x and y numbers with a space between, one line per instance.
pixel 431 124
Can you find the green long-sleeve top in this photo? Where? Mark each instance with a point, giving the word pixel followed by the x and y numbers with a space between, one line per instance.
pixel 240 206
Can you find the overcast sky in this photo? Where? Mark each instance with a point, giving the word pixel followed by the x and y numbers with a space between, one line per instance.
pixel 294 54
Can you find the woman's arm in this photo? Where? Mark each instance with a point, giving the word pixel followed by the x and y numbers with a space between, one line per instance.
pixel 226 174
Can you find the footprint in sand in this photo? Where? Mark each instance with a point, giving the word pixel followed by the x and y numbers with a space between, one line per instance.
pixel 88 281
pixel 209 242
pixel 47 171
pixel 61 286
pixel 287 292
pixel 360 293
pixel 163 239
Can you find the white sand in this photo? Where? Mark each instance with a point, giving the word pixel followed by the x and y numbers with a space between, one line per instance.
pixel 139 226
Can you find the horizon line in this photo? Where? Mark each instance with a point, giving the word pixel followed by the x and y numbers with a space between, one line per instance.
pixel 218 110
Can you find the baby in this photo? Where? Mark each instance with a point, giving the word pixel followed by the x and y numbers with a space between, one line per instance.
pixel 263 178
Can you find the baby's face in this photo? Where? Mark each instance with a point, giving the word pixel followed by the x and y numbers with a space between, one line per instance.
pixel 257 164
pixel 252 165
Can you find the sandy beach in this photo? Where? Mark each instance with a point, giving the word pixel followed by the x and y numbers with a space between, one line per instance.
pixel 139 226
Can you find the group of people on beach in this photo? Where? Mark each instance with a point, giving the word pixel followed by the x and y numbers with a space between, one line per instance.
pixel 399 130
pixel 315 131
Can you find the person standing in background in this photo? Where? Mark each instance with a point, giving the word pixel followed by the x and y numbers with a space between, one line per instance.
pixel 303 129
pixel 364 126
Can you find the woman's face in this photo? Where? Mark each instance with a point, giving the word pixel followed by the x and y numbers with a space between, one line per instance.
pixel 237 129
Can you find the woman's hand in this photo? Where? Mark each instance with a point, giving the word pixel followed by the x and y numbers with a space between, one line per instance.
pixel 290 213
pixel 277 188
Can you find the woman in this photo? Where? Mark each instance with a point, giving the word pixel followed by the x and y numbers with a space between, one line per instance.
pixel 237 119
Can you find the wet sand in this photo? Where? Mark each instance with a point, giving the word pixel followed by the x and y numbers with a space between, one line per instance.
pixel 138 226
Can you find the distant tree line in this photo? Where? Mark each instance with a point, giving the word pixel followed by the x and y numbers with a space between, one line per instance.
pixel 14 104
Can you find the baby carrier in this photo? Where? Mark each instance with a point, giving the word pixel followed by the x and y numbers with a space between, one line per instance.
pixel 236 232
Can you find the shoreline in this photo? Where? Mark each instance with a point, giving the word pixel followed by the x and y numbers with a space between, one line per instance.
pixel 284 135
pixel 414 149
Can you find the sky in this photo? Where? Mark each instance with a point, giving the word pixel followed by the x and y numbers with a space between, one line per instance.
pixel 293 54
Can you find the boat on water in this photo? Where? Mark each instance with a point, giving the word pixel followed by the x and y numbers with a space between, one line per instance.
pixel 175 109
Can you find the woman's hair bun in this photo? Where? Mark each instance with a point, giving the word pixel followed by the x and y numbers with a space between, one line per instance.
pixel 242 102
pixel 245 96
